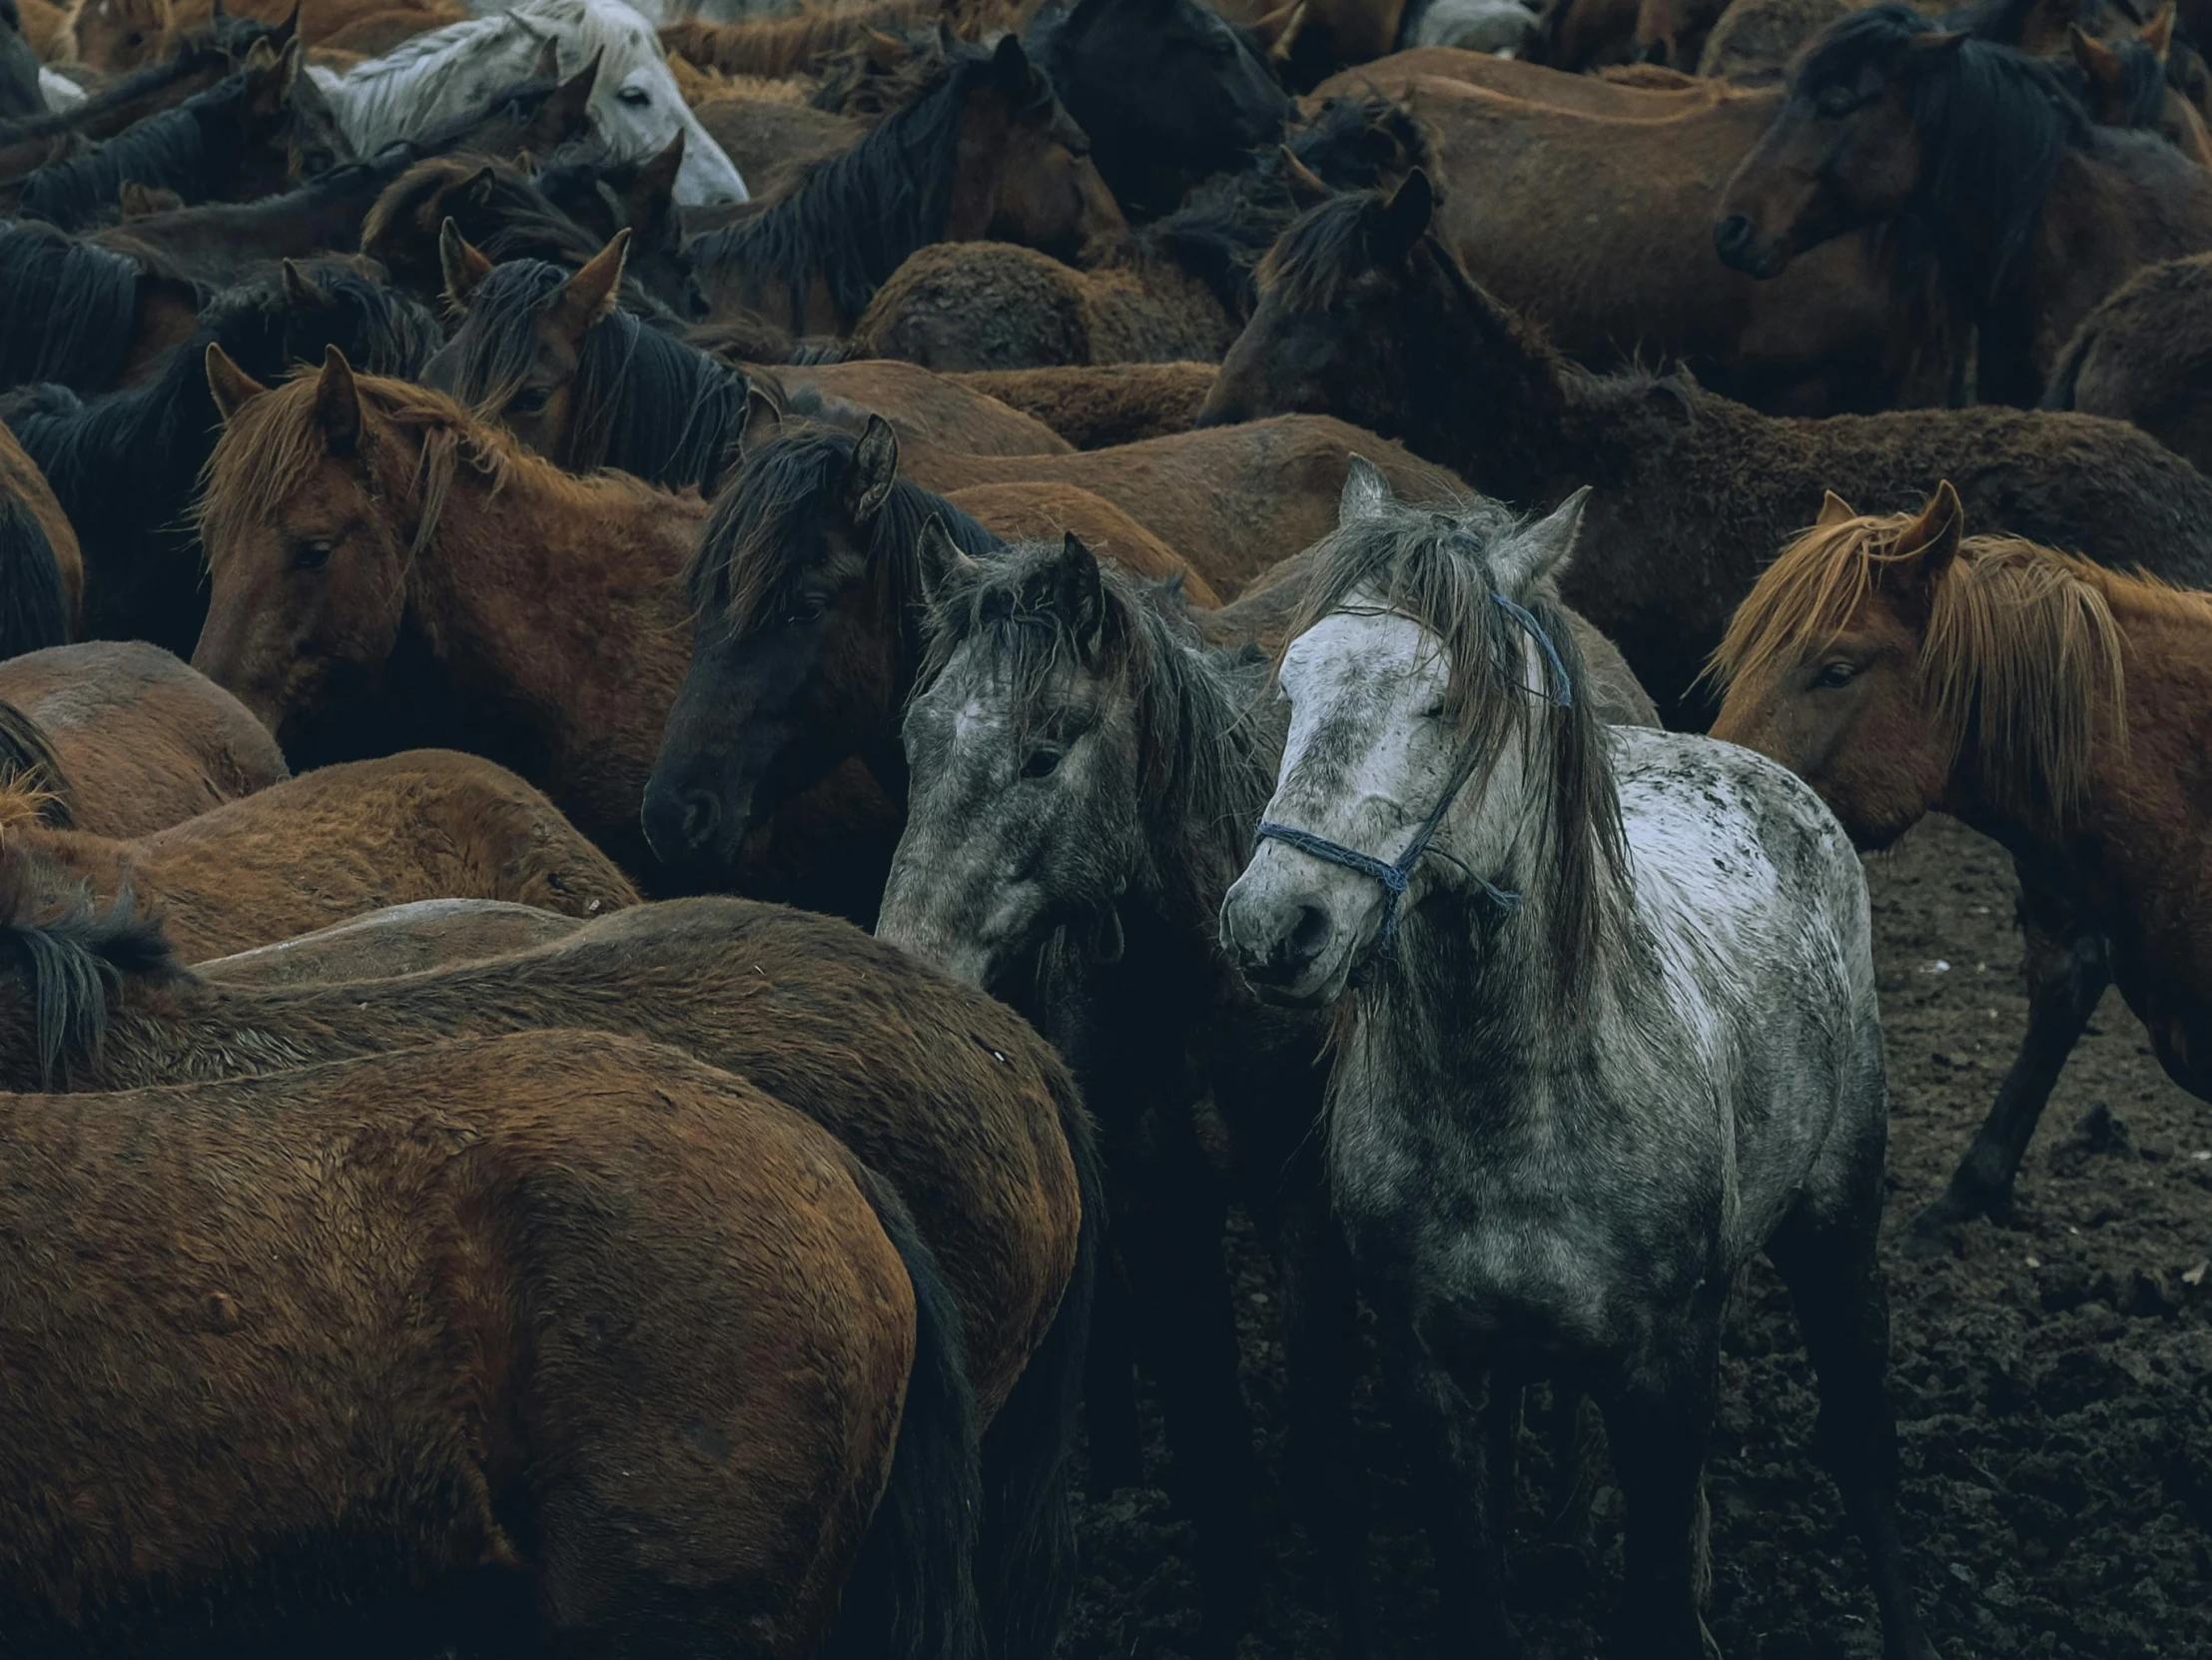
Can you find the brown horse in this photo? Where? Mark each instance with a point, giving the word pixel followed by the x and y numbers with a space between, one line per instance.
pixel 2144 355
pixel 987 153
pixel 329 845
pixel 1366 314
pixel 559 1337
pixel 938 1089
pixel 43 601
pixel 1096 406
pixel 121 34
pixel 125 740
pixel 386 569
pixel 1049 511
pixel 2054 705
pixel 399 939
pixel 2035 213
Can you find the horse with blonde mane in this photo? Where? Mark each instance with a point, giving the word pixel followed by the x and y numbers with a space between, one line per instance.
pixel 1902 667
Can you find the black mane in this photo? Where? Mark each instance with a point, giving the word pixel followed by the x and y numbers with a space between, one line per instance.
pixel 225 42
pixel 189 149
pixel 71 965
pixel 69 307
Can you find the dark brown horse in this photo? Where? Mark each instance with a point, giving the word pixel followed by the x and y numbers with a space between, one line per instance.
pixel 329 845
pixel 1367 314
pixel 2145 356
pixel 559 1337
pixel 2034 211
pixel 938 1089
pixel 127 740
pixel 987 153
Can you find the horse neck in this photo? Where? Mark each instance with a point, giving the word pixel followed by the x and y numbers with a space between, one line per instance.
pixel 1514 439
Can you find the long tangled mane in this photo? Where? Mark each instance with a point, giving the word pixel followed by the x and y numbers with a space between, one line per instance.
pixel 273 444
pixel 71 960
pixel 642 400
pixel 755 549
pixel 31 773
pixel 1204 781
pixel 177 148
pixel 1994 125
pixel 2021 653
pixel 1432 564
pixel 859 214
pixel 69 310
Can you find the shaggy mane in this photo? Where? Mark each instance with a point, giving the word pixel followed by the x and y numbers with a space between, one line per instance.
pixel 72 961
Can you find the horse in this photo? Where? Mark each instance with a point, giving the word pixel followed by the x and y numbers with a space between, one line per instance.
pixel 501 211
pixel 2141 355
pixel 256 132
pixel 635 106
pixel 804 593
pixel 82 316
pixel 398 940
pixel 1167 90
pixel 948 1097
pixel 2033 213
pixel 120 739
pixel 218 243
pixel 465 1344
pixel 985 152
pixel 386 568
pixel 42 569
pixel 19 88
pixel 1098 406
pixel 1367 314
pixel 1633 952
pixel 2027 692
pixel 120 36
pixel 125 468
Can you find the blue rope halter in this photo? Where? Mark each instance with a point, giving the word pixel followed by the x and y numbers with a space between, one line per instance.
pixel 1395 875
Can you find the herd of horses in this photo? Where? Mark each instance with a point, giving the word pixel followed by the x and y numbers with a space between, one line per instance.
pixel 710 723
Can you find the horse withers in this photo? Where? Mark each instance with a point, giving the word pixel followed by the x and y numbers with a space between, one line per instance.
pixel 1607 1030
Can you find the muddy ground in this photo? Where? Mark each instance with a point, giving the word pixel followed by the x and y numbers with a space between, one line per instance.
pixel 2054 1383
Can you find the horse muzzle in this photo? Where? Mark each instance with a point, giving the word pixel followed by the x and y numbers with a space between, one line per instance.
pixel 1736 239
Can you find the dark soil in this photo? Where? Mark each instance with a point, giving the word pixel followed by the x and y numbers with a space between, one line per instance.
pixel 2054 1382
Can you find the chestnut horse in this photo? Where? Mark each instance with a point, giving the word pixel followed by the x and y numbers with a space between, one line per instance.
pixel 940 1089
pixel 2035 213
pixel 987 153
pixel 123 740
pixel 1905 668
pixel 123 35
pixel 556 1337
pixel 329 845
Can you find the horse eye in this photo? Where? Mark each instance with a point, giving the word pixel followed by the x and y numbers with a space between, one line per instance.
pixel 529 403
pixel 1837 101
pixel 1043 763
pixel 1435 711
pixel 807 607
pixel 635 97
pixel 311 555
pixel 1833 675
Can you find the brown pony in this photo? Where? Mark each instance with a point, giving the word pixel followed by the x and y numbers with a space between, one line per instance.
pixel 2035 213
pixel 329 845
pixel 388 569
pixel 123 740
pixel 399 939
pixel 121 34
pixel 2145 356
pixel 1049 511
pixel 985 153
pixel 2054 705
pixel 559 1337
pixel 1095 406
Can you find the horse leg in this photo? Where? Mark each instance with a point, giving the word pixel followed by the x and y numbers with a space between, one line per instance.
pixel 1320 1320
pixel 1836 1284
pixel 1574 1484
pixel 2068 968
pixel 1450 1484
pixel 1112 1442
pixel 1658 1420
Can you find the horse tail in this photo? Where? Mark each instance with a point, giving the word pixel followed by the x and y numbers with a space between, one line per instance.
pixel 912 1594
pixel 34 608
pixel 29 767
pixel 1025 1568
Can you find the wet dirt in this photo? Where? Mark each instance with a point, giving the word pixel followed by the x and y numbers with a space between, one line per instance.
pixel 2053 1381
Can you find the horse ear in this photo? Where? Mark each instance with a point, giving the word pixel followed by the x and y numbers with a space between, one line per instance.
pixel 547 67
pixel 1078 592
pixel 875 470
pixel 1010 67
pixel 1278 30
pixel 230 387
pixel 286 32
pixel 300 289
pixel 482 185
pixel 2158 33
pixel 1544 549
pixel 338 404
pixel 1307 188
pixel 594 291
pixel 2098 61
pixel 1937 43
pixel 655 182
pixel 939 559
pixel 1926 548
pixel 261 57
pixel 1404 219
pixel 1366 491
pixel 763 421
pixel 564 110
pixel 463 263
pixel 1834 510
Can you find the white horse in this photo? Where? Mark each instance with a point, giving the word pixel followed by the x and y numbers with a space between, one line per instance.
pixel 635 106
pixel 1612 1031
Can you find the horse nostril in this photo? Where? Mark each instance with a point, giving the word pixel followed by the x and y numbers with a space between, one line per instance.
pixel 1731 236
pixel 702 816
pixel 1307 936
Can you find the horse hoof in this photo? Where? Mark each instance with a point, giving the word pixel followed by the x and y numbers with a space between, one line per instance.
pixel 1937 1232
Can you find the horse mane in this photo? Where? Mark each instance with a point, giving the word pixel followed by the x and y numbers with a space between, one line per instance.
pixel 229 39
pixel 166 149
pixel 31 772
pixel 1431 562
pixel 1191 700
pixel 1994 122
pixel 750 559
pixel 642 400
pixel 2021 653
pixel 857 214
pixel 70 306
pixel 273 442
pixel 72 962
